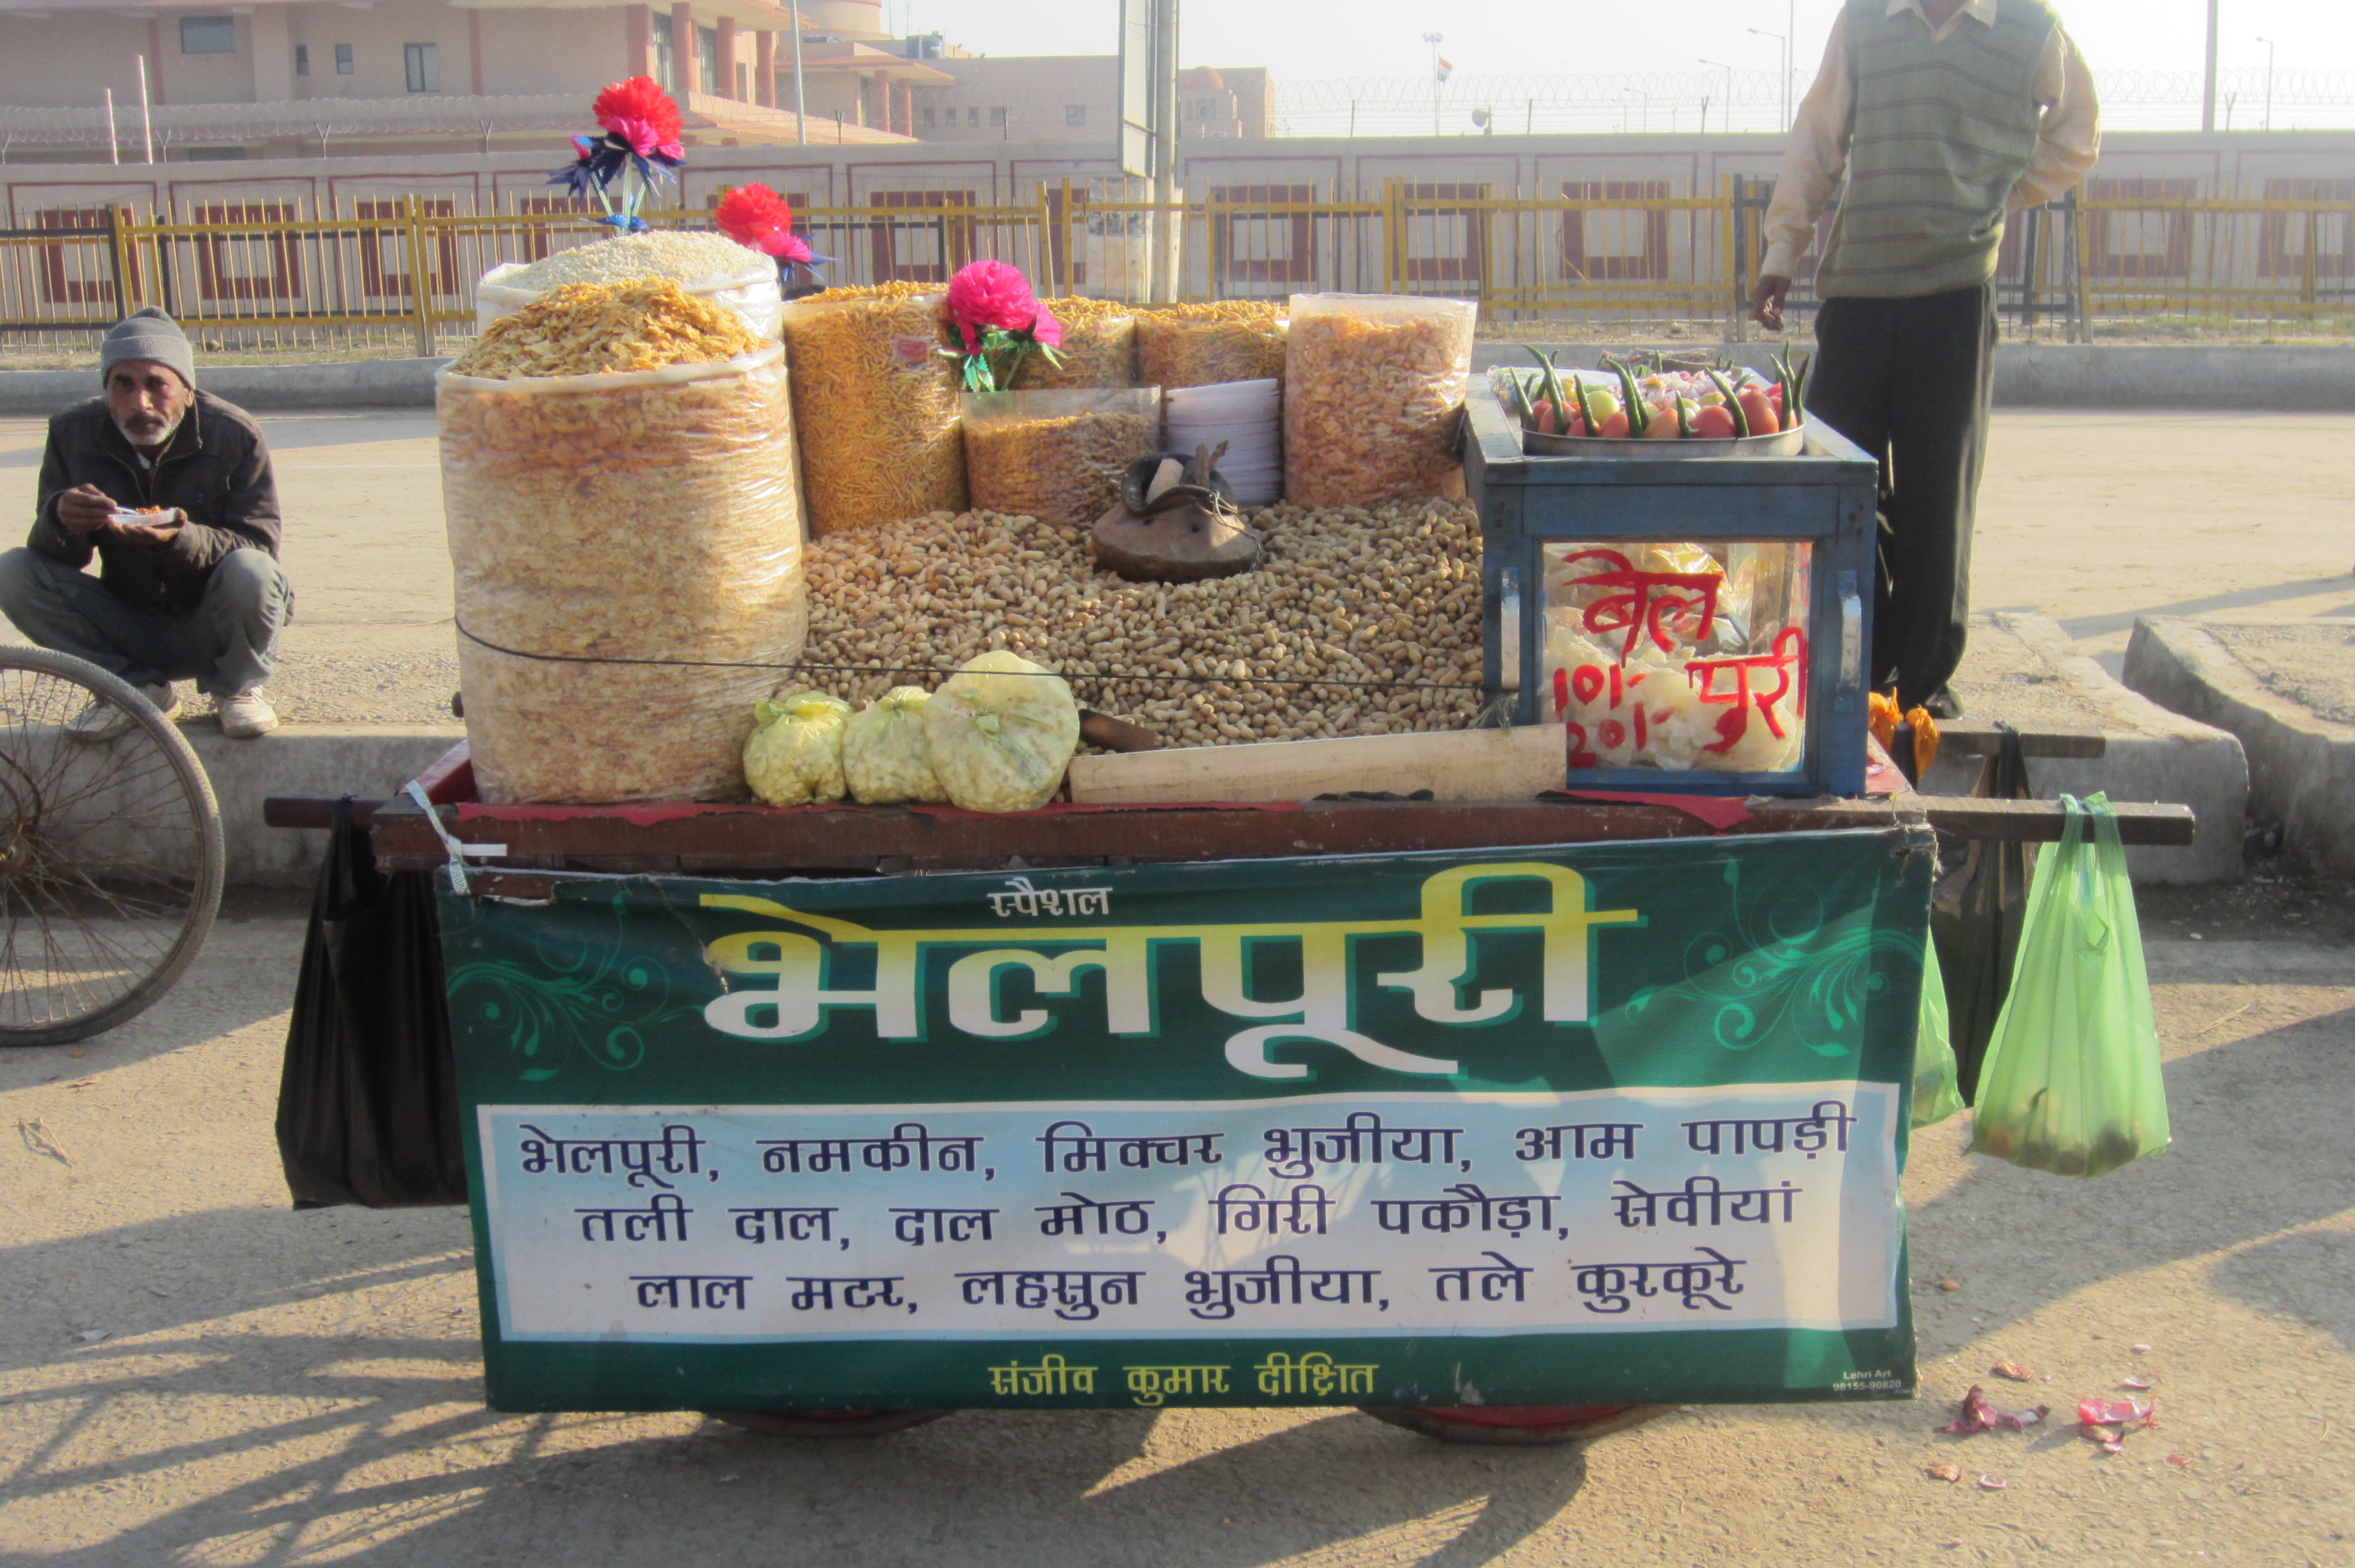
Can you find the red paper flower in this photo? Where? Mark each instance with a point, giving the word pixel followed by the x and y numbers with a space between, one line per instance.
pixel 1046 329
pixel 758 218
pixel 986 294
pixel 642 114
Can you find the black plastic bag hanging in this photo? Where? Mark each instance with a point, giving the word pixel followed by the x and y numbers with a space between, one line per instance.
pixel 368 1105
pixel 1976 911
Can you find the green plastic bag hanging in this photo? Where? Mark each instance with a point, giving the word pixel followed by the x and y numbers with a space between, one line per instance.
pixel 1936 1096
pixel 2072 1081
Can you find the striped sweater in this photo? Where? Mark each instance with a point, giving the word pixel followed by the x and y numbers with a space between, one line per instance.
pixel 1942 130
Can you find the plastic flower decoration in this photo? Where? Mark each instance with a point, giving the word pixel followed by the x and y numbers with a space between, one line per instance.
pixel 639 135
pixel 991 321
pixel 760 219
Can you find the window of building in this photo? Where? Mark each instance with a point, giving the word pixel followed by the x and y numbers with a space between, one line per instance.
pixel 706 60
pixel 423 66
pixel 743 84
pixel 973 117
pixel 343 59
pixel 666 55
pixel 1075 114
pixel 996 117
pixel 301 59
pixel 208 35
pixel 928 119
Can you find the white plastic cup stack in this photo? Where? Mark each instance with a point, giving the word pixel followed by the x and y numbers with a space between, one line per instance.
pixel 1248 415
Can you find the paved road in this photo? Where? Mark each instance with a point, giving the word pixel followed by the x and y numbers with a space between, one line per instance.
pixel 2089 517
pixel 192 1374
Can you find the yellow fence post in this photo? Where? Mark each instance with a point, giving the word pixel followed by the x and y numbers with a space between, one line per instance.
pixel 420 282
pixel 1393 233
pixel 1046 222
pixel 1063 234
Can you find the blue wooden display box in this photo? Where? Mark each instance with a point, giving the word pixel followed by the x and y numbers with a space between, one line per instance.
pixel 1825 496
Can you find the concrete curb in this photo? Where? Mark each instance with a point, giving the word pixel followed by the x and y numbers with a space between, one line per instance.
pixel 263 388
pixel 2301 765
pixel 2152 754
pixel 367 760
pixel 2067 376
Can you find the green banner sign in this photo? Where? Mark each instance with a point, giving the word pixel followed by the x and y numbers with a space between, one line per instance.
pixel 1575 1125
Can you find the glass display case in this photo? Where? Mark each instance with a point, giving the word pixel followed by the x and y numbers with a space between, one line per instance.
pixel 1692 626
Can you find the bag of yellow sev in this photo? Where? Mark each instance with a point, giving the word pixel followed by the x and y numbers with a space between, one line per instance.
pixel 876 407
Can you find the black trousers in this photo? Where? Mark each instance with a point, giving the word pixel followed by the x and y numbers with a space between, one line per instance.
pixel 1909 381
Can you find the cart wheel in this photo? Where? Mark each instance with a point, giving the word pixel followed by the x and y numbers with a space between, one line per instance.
pixel 1525 1426
pixel 111 859
pixel 827 1422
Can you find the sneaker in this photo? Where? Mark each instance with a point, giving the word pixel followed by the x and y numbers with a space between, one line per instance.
pixel 104 721
pixel 246 715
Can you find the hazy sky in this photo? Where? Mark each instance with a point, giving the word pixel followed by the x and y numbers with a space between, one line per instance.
pixel 1306 39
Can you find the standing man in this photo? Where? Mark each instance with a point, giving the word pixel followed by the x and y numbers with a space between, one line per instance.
pixel 190 587
pixel 1947 116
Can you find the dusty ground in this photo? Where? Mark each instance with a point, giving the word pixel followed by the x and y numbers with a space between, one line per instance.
pixel 192 1374
pixel 2091 518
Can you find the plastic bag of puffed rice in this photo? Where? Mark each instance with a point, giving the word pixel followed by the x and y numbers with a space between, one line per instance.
pixel 1001 731
pixel 886 759
pixel 793 756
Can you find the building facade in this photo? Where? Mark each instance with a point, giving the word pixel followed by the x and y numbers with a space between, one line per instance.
pixel 294 78
pixel 1076 98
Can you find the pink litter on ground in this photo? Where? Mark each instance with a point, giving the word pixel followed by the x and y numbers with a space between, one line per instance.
pixel 2180 1461
pixel 1978 1415
pixel 2142 1349
pixel 2138 1382
pixel 2012 1372
pixel 1992 1484
pixel 2114 1411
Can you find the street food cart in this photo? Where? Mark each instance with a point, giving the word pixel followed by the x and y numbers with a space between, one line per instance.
pixel 1511 1117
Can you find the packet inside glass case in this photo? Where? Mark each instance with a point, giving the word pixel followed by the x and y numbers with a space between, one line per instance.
pixel 1677 656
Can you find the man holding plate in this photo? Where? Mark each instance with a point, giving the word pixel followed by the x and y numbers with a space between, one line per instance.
pixel 170 488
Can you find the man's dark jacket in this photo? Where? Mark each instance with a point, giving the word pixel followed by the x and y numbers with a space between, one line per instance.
pixel 216 469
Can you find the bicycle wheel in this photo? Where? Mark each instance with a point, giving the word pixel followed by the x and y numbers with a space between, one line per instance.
pixel 111 859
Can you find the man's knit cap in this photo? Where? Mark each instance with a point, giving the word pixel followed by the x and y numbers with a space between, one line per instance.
pixel 148 334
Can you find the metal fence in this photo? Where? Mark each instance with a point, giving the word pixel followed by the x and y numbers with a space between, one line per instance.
pixel 1591 258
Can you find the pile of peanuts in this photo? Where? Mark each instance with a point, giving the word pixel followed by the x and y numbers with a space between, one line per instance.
pixel 1391 597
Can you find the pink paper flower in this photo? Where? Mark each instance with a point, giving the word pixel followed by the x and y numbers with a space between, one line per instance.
pixel 758 218
pixel 642 115
pixel 985 294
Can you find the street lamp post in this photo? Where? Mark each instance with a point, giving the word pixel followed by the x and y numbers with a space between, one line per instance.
pixel 1728 116
pixel 801 106
pixel 2208 95
pixel 1434 40
pixel 1646 98
pixel 1784 39
pixel 2269 81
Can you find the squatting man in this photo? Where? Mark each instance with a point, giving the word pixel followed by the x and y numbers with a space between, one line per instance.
pixel 170 489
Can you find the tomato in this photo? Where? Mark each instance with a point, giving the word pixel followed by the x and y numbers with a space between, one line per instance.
pixel 1663 426
pixel 1617 425
pixel 1764 420
pixel 1713 422
pixel 1543 413
pixel 1577 427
